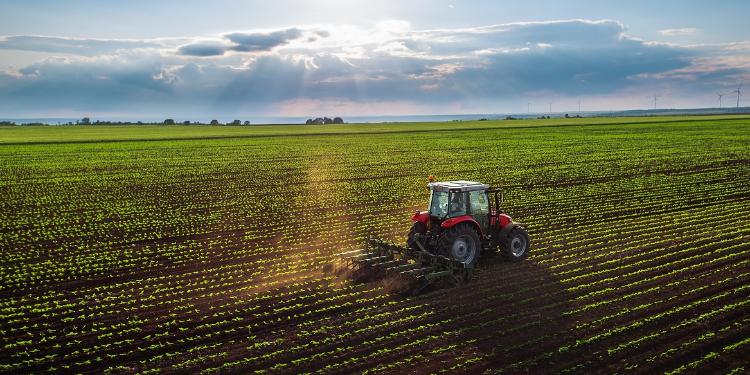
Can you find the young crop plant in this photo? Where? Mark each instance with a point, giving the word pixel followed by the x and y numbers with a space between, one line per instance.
pixel 213 249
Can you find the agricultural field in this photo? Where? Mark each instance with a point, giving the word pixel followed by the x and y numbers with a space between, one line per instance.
pixel 214 249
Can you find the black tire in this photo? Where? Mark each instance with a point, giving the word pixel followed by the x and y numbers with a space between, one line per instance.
pixel 516 245
pixel 461 243
pixel 411 241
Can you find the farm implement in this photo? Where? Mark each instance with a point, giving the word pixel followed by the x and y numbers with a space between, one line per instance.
pixel 463 222
pixel 389 259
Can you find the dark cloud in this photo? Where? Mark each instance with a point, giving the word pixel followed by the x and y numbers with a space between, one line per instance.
pixel 83 85
pixel 202 49
pixel 242 42
pixel 569 70
pixel 253 42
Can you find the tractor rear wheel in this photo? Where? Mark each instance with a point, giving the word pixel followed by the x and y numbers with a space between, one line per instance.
pixel 411 240
pixel 516 245
pixel 461 243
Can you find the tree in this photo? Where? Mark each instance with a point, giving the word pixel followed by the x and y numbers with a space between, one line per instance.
pixel 85 121
pixel 214 122
pixel 309 121
pixel 246 123
pixel 338 120
pixel 235 123
pixel 169 121
pixel 186 122
pixel 327 120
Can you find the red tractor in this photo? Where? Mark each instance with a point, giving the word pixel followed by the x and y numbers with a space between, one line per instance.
pixel 464 221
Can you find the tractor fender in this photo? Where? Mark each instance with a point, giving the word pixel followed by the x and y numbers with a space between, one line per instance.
pixel 421 216
pixel 499 220
pixel 462 219
pixel 506 229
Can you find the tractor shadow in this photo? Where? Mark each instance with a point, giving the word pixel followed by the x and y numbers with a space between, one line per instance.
pixel 511 312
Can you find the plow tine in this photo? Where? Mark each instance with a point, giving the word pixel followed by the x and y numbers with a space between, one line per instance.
pixel 436 274
pixel 384 264
pixel 418 271
pixel 402 267
pixel 368 260
pixel 385 246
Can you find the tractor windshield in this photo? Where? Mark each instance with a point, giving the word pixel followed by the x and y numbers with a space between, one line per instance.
pixel 444 204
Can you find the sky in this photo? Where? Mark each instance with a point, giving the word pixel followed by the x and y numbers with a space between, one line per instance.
pixel 202 59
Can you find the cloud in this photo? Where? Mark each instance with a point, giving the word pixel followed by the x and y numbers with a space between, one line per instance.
pixel 200 47
pixel 203 48
pixel 485 68
pixel 86 47
pixel 245 42
pixel 251 42
pixel 679 32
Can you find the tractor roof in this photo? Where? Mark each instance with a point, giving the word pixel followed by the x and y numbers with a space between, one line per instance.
pixel 457 186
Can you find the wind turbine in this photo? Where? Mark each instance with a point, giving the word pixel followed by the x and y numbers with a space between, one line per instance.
pixel 739 93
pixel 720 96
pixel 656 97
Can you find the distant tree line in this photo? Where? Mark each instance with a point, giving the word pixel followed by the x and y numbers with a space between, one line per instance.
pixel 169 121
pixel 324 121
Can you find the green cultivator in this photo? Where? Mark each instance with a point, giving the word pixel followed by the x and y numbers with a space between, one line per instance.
pixel 417 265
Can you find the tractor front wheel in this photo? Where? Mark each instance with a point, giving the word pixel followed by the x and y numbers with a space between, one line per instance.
pixel 411 239
pixel 461 243
pixel 516 245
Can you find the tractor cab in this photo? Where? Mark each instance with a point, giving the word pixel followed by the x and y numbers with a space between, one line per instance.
pixel 459 198
pixel 453 199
